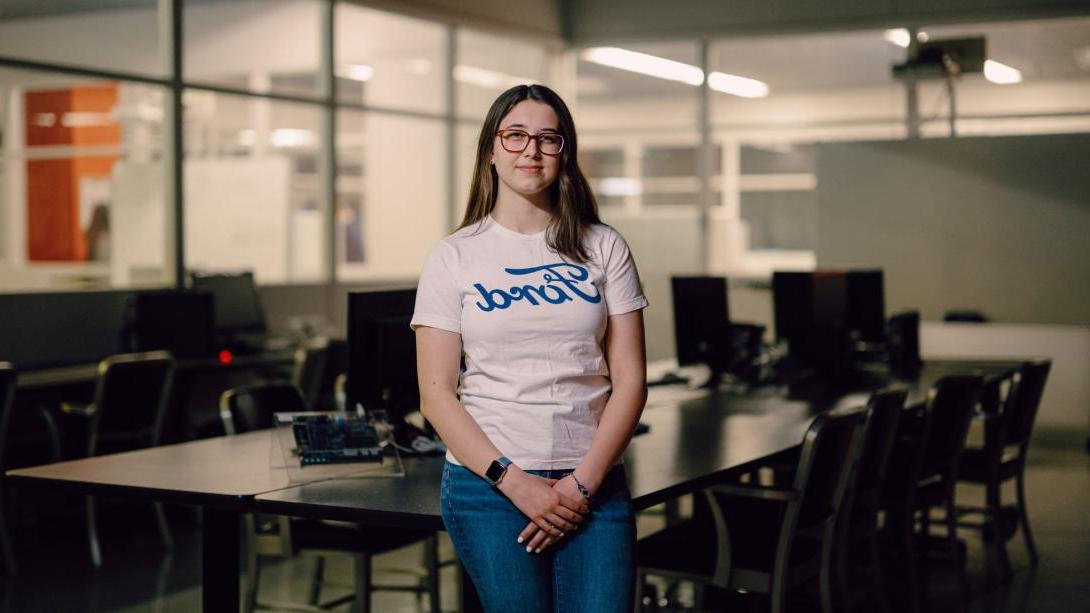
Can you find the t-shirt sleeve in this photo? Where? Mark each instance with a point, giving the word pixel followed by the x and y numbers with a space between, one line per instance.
pixel 623 290
pixel 438 300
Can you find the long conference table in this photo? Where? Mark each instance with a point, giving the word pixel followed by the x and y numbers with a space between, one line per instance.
pixel 691 443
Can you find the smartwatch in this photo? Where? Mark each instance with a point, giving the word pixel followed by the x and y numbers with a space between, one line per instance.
pixel 496 470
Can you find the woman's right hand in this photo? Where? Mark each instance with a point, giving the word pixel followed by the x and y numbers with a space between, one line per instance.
pixel 552 512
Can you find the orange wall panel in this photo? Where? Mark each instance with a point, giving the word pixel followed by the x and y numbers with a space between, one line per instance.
pixel 74 117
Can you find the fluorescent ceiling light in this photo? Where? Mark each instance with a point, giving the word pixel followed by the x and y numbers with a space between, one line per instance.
pixel 654 66
pixel 357 72
pixel 643 63
pixel 620 186
pixel 898 36
pixel 281 137
pixel 490 79
pixel 901 37
pixel 737 86
pixel 292 137
pixel 1001 73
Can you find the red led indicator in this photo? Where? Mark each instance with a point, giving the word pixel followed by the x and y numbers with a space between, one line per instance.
pixel 226 357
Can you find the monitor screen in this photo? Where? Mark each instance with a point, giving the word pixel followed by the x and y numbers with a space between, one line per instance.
pixel 792 303
pixel 382 352
pixel 849 300
pixel 178 321
pixel 866 299
pixel 701 319
pixel 237 303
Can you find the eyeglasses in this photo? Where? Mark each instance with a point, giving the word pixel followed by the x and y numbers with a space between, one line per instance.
pixel 516 141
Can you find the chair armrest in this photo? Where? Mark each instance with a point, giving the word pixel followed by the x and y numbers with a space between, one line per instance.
pixel 78 409
pixel 764 493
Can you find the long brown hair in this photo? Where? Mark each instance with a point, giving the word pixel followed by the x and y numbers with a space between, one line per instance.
pixel 574 206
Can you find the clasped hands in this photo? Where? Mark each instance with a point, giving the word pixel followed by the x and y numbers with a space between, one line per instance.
pixel 554 506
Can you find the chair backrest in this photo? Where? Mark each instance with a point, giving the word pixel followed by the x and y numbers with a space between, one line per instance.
pixel 1025 400
pixel 883 414
pixel 951 403
pixel 8 376
pixel 249 408
pixel 131 394
pixel 309 369
pixel 828 450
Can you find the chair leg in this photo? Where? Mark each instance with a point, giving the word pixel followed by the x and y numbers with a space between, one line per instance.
pixel 778 585
pixel 253 565
pixel 825 577
pixel 316 580
pixel 363 583
pixel 952 543
pixel 997 547
pixel 7 551
pixel 92 533
pixel 1023 515
pixel 878 582
pixel 912 579
pixel 164 527
pixel 431 562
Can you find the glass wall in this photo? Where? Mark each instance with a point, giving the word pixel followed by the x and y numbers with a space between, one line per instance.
pixel 81 171
pixel 637 113
pixel 86 196
pixel 263 46
pixel 253 198
pixel 87 158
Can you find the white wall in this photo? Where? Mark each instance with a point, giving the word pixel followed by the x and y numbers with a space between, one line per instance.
pixel 993 224
pixel 1066 401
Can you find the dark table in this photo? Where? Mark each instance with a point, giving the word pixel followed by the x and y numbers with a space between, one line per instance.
pixel 221 475
pixel 86 373
pixel 691 443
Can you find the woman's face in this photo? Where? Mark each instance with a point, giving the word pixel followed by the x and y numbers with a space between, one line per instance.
pixel 530 172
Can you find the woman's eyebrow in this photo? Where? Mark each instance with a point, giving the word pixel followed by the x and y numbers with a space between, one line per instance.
pixel 523 126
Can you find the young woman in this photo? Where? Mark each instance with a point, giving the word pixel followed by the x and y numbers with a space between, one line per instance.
pixel 545 304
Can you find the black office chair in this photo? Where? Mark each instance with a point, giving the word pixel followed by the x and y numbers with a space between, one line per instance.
pixel 130 401
pixel 858 557
pixel 922 476
pixel 252 408
pixel 1008 426
pixel 309 369
pixel 764 539
pixel 7 395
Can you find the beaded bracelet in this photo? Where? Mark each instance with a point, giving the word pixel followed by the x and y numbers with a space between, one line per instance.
pixel 582 489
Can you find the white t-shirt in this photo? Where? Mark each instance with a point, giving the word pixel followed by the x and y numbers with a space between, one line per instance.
pixel 532 327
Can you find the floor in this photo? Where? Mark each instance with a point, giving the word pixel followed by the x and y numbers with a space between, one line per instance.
pixel 138 576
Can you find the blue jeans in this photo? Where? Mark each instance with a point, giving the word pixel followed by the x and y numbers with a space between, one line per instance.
pixel 590 570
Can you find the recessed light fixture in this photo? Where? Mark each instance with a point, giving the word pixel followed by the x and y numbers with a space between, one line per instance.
pixel 737 86
pixel 645 63
pixel 672 70
pixel 357 72
pixel 1001 73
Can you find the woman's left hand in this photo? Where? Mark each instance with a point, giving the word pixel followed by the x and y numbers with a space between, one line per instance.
pixel 536 539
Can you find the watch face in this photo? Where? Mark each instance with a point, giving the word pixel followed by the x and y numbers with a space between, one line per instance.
pixel 494 472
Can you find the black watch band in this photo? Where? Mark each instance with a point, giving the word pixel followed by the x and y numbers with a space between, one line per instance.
pixel 496 470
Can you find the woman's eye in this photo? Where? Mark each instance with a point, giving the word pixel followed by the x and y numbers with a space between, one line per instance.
pixel 549 139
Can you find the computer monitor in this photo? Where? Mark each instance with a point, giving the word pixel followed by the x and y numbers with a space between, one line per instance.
pixel 237 304
pixel 181 322
pixel 849 300
pixel 866 302
pixel 821 314
pixel 702 323
pixel 382 352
